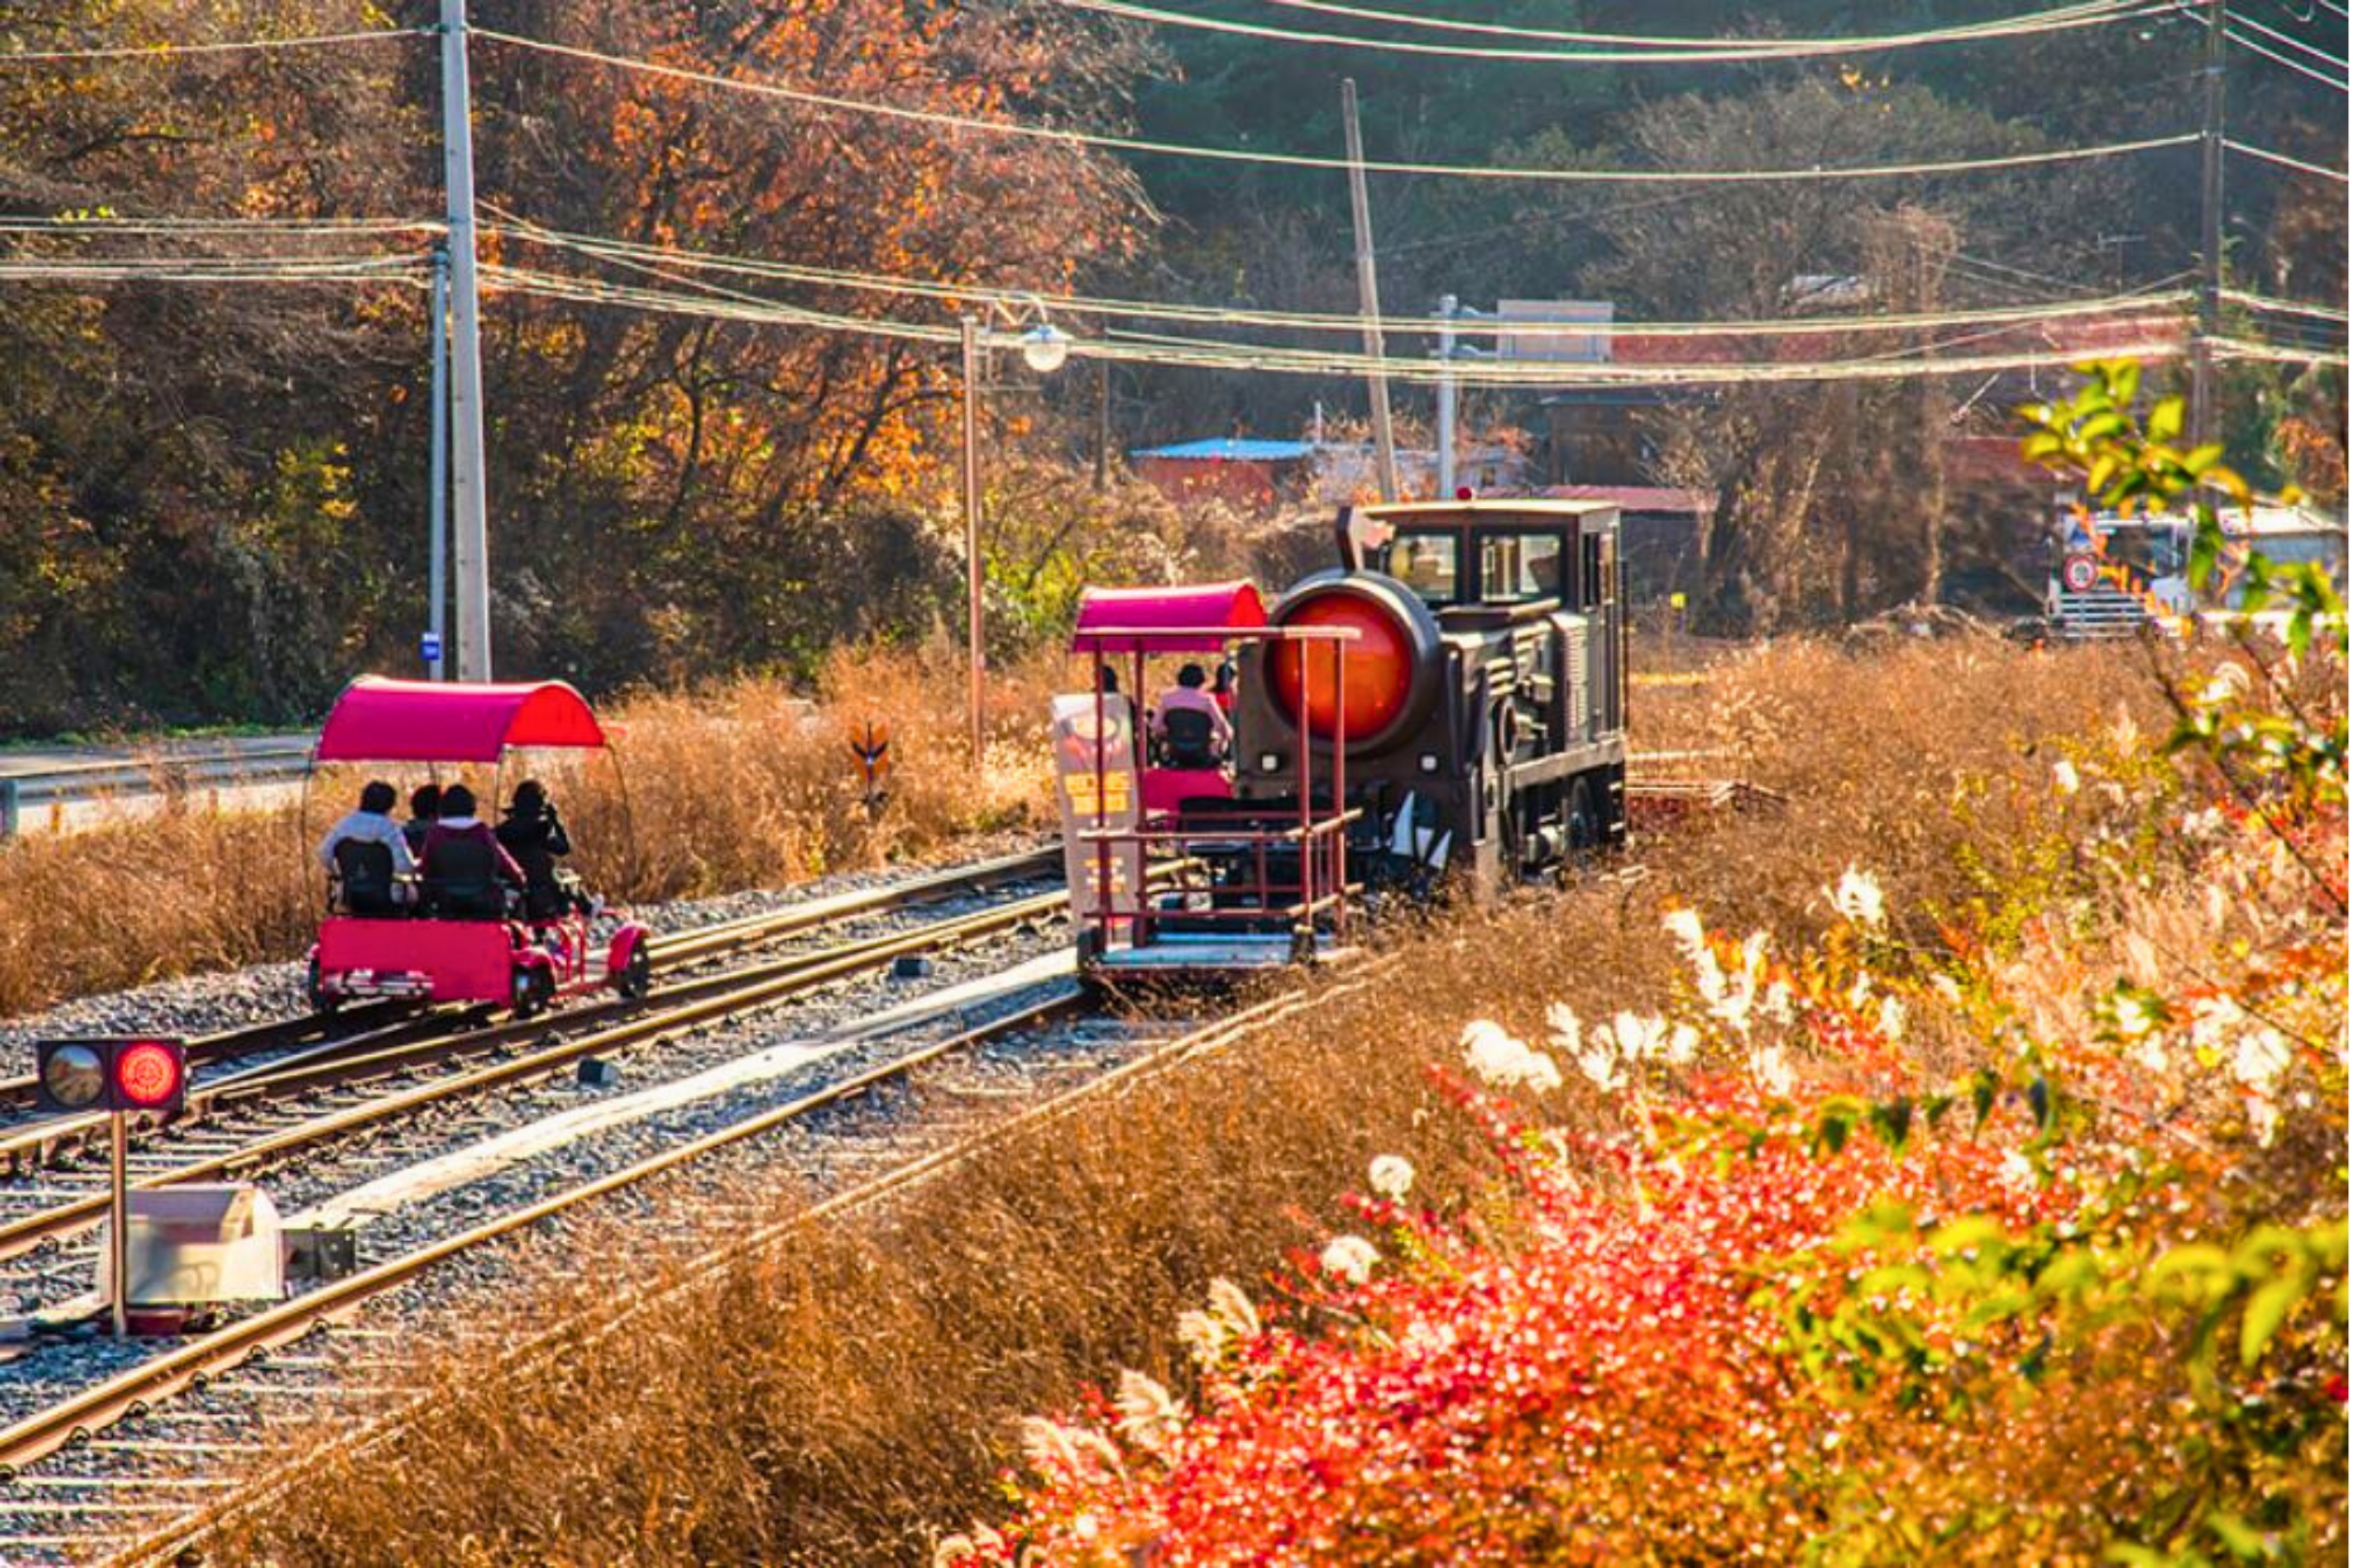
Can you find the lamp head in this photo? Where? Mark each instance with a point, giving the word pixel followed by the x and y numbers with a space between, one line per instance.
pixel 1044 348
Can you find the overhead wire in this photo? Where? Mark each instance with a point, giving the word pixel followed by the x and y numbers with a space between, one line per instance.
pixel 1317 362
pixel 2299 164
pixel 2289 308
pixel 97 226
pixel 2276 58
pixel 1025 129
pixel 1655 52
pixel 1670 42
pixel 2276 36
pixel 165 52
pixel 953 291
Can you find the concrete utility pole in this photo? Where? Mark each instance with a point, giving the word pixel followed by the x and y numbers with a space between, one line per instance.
pixel 1369 294
pixel 977 648
pixel 2203 418
pixel 471 551
pixel 437 551
pixel 1446 309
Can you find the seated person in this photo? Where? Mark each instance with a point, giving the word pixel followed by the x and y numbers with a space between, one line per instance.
pixel 1222 691
pixel 424 805
pixel 368 880
pixel 464 863
pixel 1178 723
pixel 535 837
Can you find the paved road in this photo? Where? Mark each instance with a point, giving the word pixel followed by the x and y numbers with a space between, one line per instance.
pixel 19 761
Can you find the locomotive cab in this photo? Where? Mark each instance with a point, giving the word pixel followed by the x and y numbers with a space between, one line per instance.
pixel 1485 723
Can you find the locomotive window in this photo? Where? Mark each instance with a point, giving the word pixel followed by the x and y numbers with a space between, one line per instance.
pixel 1514 568
pixel 1426 563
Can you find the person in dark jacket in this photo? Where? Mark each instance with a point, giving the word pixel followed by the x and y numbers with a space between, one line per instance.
pixel 535 837
pixel 424 805
pixel 458 824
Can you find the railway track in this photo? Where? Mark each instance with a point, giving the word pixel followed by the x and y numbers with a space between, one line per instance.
pixel 174 1531
pixel 279 1050
pixel 409 1067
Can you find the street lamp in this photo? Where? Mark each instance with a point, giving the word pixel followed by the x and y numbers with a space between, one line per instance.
pixel 1044 348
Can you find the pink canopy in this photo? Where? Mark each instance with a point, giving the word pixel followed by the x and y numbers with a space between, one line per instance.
pixel 381 720
pixel 1184 618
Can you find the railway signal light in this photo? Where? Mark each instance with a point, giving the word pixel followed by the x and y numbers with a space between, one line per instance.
pixel 146 1073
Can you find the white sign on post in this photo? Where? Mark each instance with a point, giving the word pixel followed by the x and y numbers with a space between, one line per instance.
pixel 1095 782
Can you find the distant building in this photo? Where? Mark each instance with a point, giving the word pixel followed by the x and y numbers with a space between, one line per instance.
pixel 1261 475
pixel 1257 475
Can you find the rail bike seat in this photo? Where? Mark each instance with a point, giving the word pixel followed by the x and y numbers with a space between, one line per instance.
pixel 363 881
pixel 462 881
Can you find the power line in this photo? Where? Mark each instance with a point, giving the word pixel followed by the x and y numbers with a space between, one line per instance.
pixel 2276 58
pixel 2097 13
pixel 960 293
pixel 2289 39
pixel 2288 308
pixel 163 53
pixel 1307 160
pixel 2268 156
pixel 1651 53
pixel 2239 348
pixel 99 227
pixel 1273 360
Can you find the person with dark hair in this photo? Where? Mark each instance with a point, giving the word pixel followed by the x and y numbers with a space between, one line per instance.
pixel 370 824
pixel 424 805
pixel 1186 696
pixel 1222 691
pixel 367 858
pixel 1107 680
pixel 463 859
pixel 535 837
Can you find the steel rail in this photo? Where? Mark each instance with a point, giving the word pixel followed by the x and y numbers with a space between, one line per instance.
pixel 36 1142
pixel 81 1416
pixel 169 1543
pixel 678 1009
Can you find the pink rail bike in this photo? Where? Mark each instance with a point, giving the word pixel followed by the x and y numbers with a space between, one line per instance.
pixel 500 956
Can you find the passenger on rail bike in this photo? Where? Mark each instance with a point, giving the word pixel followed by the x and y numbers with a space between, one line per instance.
pixel 465 865
pixel 1191 727
pixel 534 835
pixel 367 855
pixel 424 805
pixel 1222 689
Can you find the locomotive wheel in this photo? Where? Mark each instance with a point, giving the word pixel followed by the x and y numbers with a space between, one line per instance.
pixel 1583 823
pixel 637 975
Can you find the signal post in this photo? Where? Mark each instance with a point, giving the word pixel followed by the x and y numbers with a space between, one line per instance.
pixel 144 1073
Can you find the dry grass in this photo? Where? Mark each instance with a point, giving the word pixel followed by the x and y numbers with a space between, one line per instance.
pixel 844 1401
pixel 737 787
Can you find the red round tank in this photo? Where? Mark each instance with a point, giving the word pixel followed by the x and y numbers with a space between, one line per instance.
pixel 1392 663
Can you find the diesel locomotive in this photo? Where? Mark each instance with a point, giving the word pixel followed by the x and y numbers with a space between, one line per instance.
pixel 1445 707
pixel 1484 730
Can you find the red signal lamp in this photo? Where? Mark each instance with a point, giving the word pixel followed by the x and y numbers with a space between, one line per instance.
pixel 143 1073
pixel 1464 492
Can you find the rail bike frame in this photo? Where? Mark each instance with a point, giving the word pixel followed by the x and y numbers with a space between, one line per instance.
pixel 1198 887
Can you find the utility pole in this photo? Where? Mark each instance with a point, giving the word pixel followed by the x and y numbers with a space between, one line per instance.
pixel 470 553
pixel 1446 308
pixel 437 552
pixel 2202 418
pixel 977 650
pixel 1369 294
pixel 1103 425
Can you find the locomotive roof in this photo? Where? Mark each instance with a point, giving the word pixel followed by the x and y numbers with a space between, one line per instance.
pixel 1494 508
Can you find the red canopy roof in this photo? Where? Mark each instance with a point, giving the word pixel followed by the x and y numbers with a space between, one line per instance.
pixel 381 720
pixel 1183 618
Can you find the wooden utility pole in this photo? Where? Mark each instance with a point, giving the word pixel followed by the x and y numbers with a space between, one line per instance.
pixel 1369 295
pixel 2203 417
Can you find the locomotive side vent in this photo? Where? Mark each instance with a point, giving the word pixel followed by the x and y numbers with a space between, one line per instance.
pixel 1579 692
